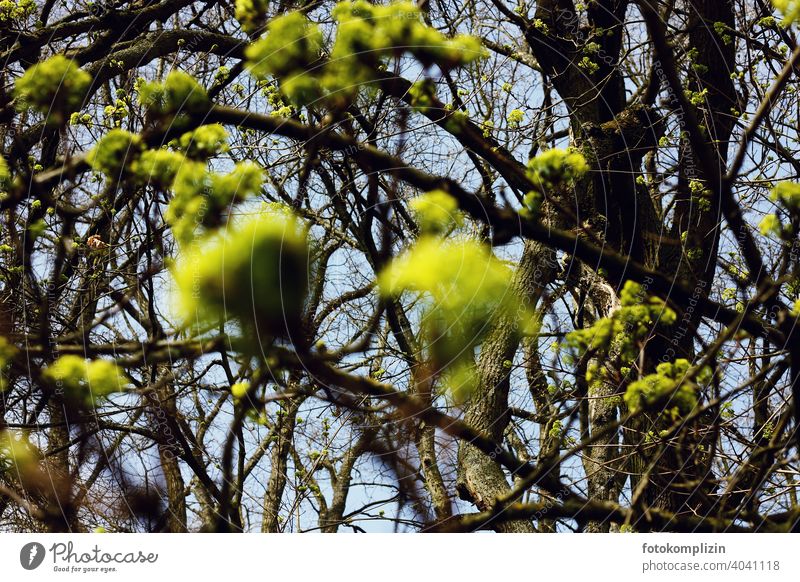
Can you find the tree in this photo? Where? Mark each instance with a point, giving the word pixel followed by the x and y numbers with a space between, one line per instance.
pixel 441 267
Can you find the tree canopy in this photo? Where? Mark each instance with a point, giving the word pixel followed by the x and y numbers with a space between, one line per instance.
pixel 525 266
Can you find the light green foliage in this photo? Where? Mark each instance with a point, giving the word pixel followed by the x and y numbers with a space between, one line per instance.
pixel 541 26
pixel 729 294
pixel 16 9
pixel 436 212
pixel 588 65
pixel 286 112
pixel 770 225
pixel 5 173
pixel 623 328
pixel 179 91
pixel 422 94
pixel 555 166
pixel 790 10
pixel 240 390
pixel 792 288
pixel 104 377
pixel 456 121
pixel 460 380
pixel 114 151
pixel 767 22
pixel 515 117
pixel 697 188
pixel 158 167
pixel 368 31
pixel 694 254
pixel 17 454
pixel 55 87
pixel 533 203
pixel 83 380
pixel 289 50
pixel 463 286
pixel 700 195
pixel 200 196
pixel 205 141
pixel 250 13
pixel 723 32
pixel 255 271
pixel 788 194
pixel 7 353
pixel 591 48
pixel 670 390
pixel 221 75
pixel 727 411
pixel 556 429
pixel 77 119
pixel 697 98
pixel 192 195
pixel 244 180
pixel 367 36
pixel 116 112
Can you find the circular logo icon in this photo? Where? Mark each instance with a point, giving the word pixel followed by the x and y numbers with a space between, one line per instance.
pixel 31 555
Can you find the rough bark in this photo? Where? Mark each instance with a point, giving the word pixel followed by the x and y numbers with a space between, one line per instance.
pixel 278 463
pixel 679 467
pixel 169 454
pixel 480 478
